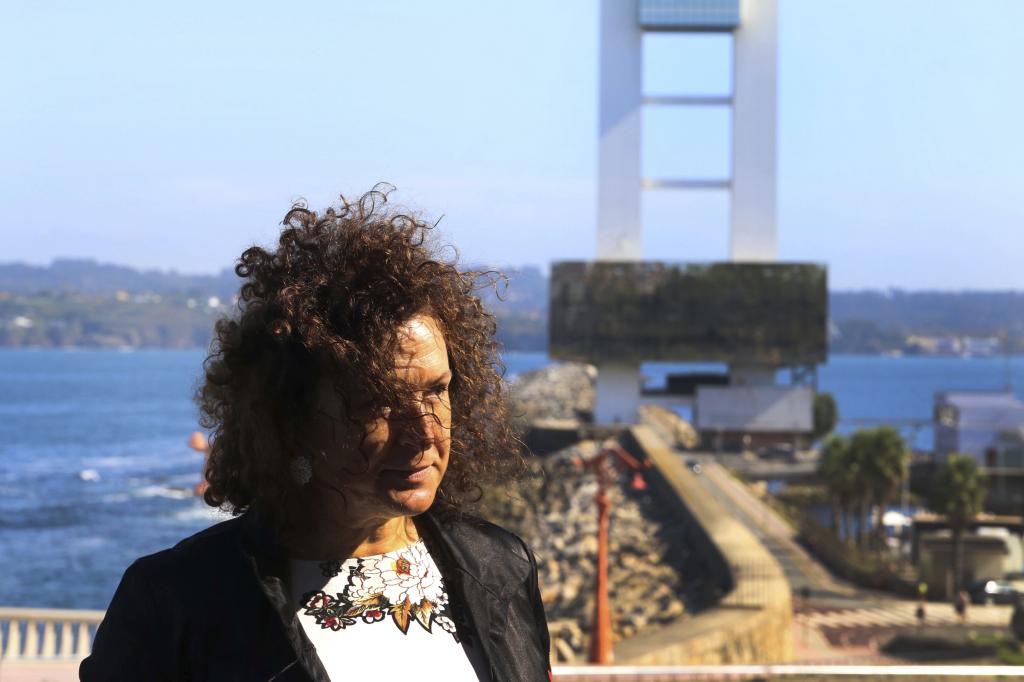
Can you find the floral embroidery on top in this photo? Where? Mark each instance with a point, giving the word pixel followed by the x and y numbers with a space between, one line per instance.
pixel 404 584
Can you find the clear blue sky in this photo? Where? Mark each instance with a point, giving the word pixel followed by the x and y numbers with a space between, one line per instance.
pixel 173 135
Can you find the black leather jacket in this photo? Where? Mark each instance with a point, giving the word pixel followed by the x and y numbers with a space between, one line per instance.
pixel 215 607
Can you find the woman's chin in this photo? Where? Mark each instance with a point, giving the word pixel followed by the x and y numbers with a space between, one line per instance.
pixel 412 502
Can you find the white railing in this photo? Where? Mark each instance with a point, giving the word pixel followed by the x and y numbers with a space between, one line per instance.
pixel 46 634
pixel 752 673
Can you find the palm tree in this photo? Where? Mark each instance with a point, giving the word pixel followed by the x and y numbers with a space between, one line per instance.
pixel 958 492
pixel 862 447
pixel 839 473
pixel 881 457
pixel 890 458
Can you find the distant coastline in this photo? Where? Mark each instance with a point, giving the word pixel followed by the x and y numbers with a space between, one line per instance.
pixel 186 319
pixel 82 303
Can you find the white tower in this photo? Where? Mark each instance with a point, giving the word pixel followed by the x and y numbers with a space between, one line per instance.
pixel 752 230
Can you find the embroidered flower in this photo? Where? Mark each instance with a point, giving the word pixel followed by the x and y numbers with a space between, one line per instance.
pixel 317 600
pixel 401 576
pixel 326 611
pixel 373 615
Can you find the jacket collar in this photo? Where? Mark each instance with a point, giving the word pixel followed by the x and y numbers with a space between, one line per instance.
pixel 269 562
pixel 478 578
pixel 455 537
pixel 459 540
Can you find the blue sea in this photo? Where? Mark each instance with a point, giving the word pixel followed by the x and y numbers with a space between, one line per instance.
pixel 95 471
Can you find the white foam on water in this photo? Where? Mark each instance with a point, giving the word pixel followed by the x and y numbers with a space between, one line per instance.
pixel 89 475
pixel 90 542
pixel 147 461
pixel 164 491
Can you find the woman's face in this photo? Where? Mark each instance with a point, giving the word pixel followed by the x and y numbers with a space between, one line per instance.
pixel 399 465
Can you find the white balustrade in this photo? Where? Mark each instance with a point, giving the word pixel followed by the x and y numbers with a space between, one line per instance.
pixel 46 634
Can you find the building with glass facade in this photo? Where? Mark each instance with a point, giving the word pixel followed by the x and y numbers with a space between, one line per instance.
pixel 688 15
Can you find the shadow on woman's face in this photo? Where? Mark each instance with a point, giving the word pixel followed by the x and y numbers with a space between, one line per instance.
pixel 389 463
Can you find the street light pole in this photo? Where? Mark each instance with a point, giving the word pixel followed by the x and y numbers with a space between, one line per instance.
pixel 601 634
pixel 603 467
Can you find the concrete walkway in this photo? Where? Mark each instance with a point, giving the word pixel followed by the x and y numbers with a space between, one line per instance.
pixel 37 671
pixel 801 569
pixel 839 623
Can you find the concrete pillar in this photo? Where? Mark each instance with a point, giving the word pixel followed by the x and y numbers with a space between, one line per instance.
pixel 618 393
pixel 620 84
pixel 753 229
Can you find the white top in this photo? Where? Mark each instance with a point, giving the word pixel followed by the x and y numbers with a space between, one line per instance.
pixel 370 615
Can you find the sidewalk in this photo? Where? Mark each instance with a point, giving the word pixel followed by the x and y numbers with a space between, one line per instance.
pixel 38 671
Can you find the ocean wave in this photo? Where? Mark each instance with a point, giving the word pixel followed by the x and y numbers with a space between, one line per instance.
pixel 136 461
pixel 164 491
pixel 90 542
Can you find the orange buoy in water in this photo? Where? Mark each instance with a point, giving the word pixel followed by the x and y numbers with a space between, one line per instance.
pixel 197 441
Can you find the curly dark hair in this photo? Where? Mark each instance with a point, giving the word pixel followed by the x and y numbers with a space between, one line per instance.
pixel 330 298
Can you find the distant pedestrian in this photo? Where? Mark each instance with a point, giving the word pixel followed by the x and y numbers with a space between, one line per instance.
pixel 1017 620
pixel 960 605
pixel 919 613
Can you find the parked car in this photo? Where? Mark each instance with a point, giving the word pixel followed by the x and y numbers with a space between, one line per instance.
pixel 992 592
pixel 780 452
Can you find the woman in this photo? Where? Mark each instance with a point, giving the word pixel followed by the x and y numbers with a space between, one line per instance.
pixel 355 406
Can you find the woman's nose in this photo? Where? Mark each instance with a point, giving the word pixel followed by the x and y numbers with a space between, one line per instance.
pixel 417 428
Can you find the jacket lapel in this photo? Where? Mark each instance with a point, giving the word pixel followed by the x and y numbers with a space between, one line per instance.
pixel 475 582
pixel 293 656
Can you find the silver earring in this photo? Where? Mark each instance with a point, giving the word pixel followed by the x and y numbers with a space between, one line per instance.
pixel 301 469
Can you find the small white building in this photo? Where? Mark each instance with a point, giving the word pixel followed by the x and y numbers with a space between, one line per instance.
pixel 974 422
pixel 760 414
pixel 988 554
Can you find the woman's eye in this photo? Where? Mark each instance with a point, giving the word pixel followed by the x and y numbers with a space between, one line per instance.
pixel 440 389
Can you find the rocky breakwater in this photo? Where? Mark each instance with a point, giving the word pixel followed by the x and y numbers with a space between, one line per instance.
pixel 553 508
pixel 556 392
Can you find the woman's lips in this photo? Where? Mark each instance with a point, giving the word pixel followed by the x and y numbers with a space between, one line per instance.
pixel 413 475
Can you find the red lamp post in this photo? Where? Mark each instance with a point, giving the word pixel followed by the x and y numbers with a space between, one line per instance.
pixel 602 466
